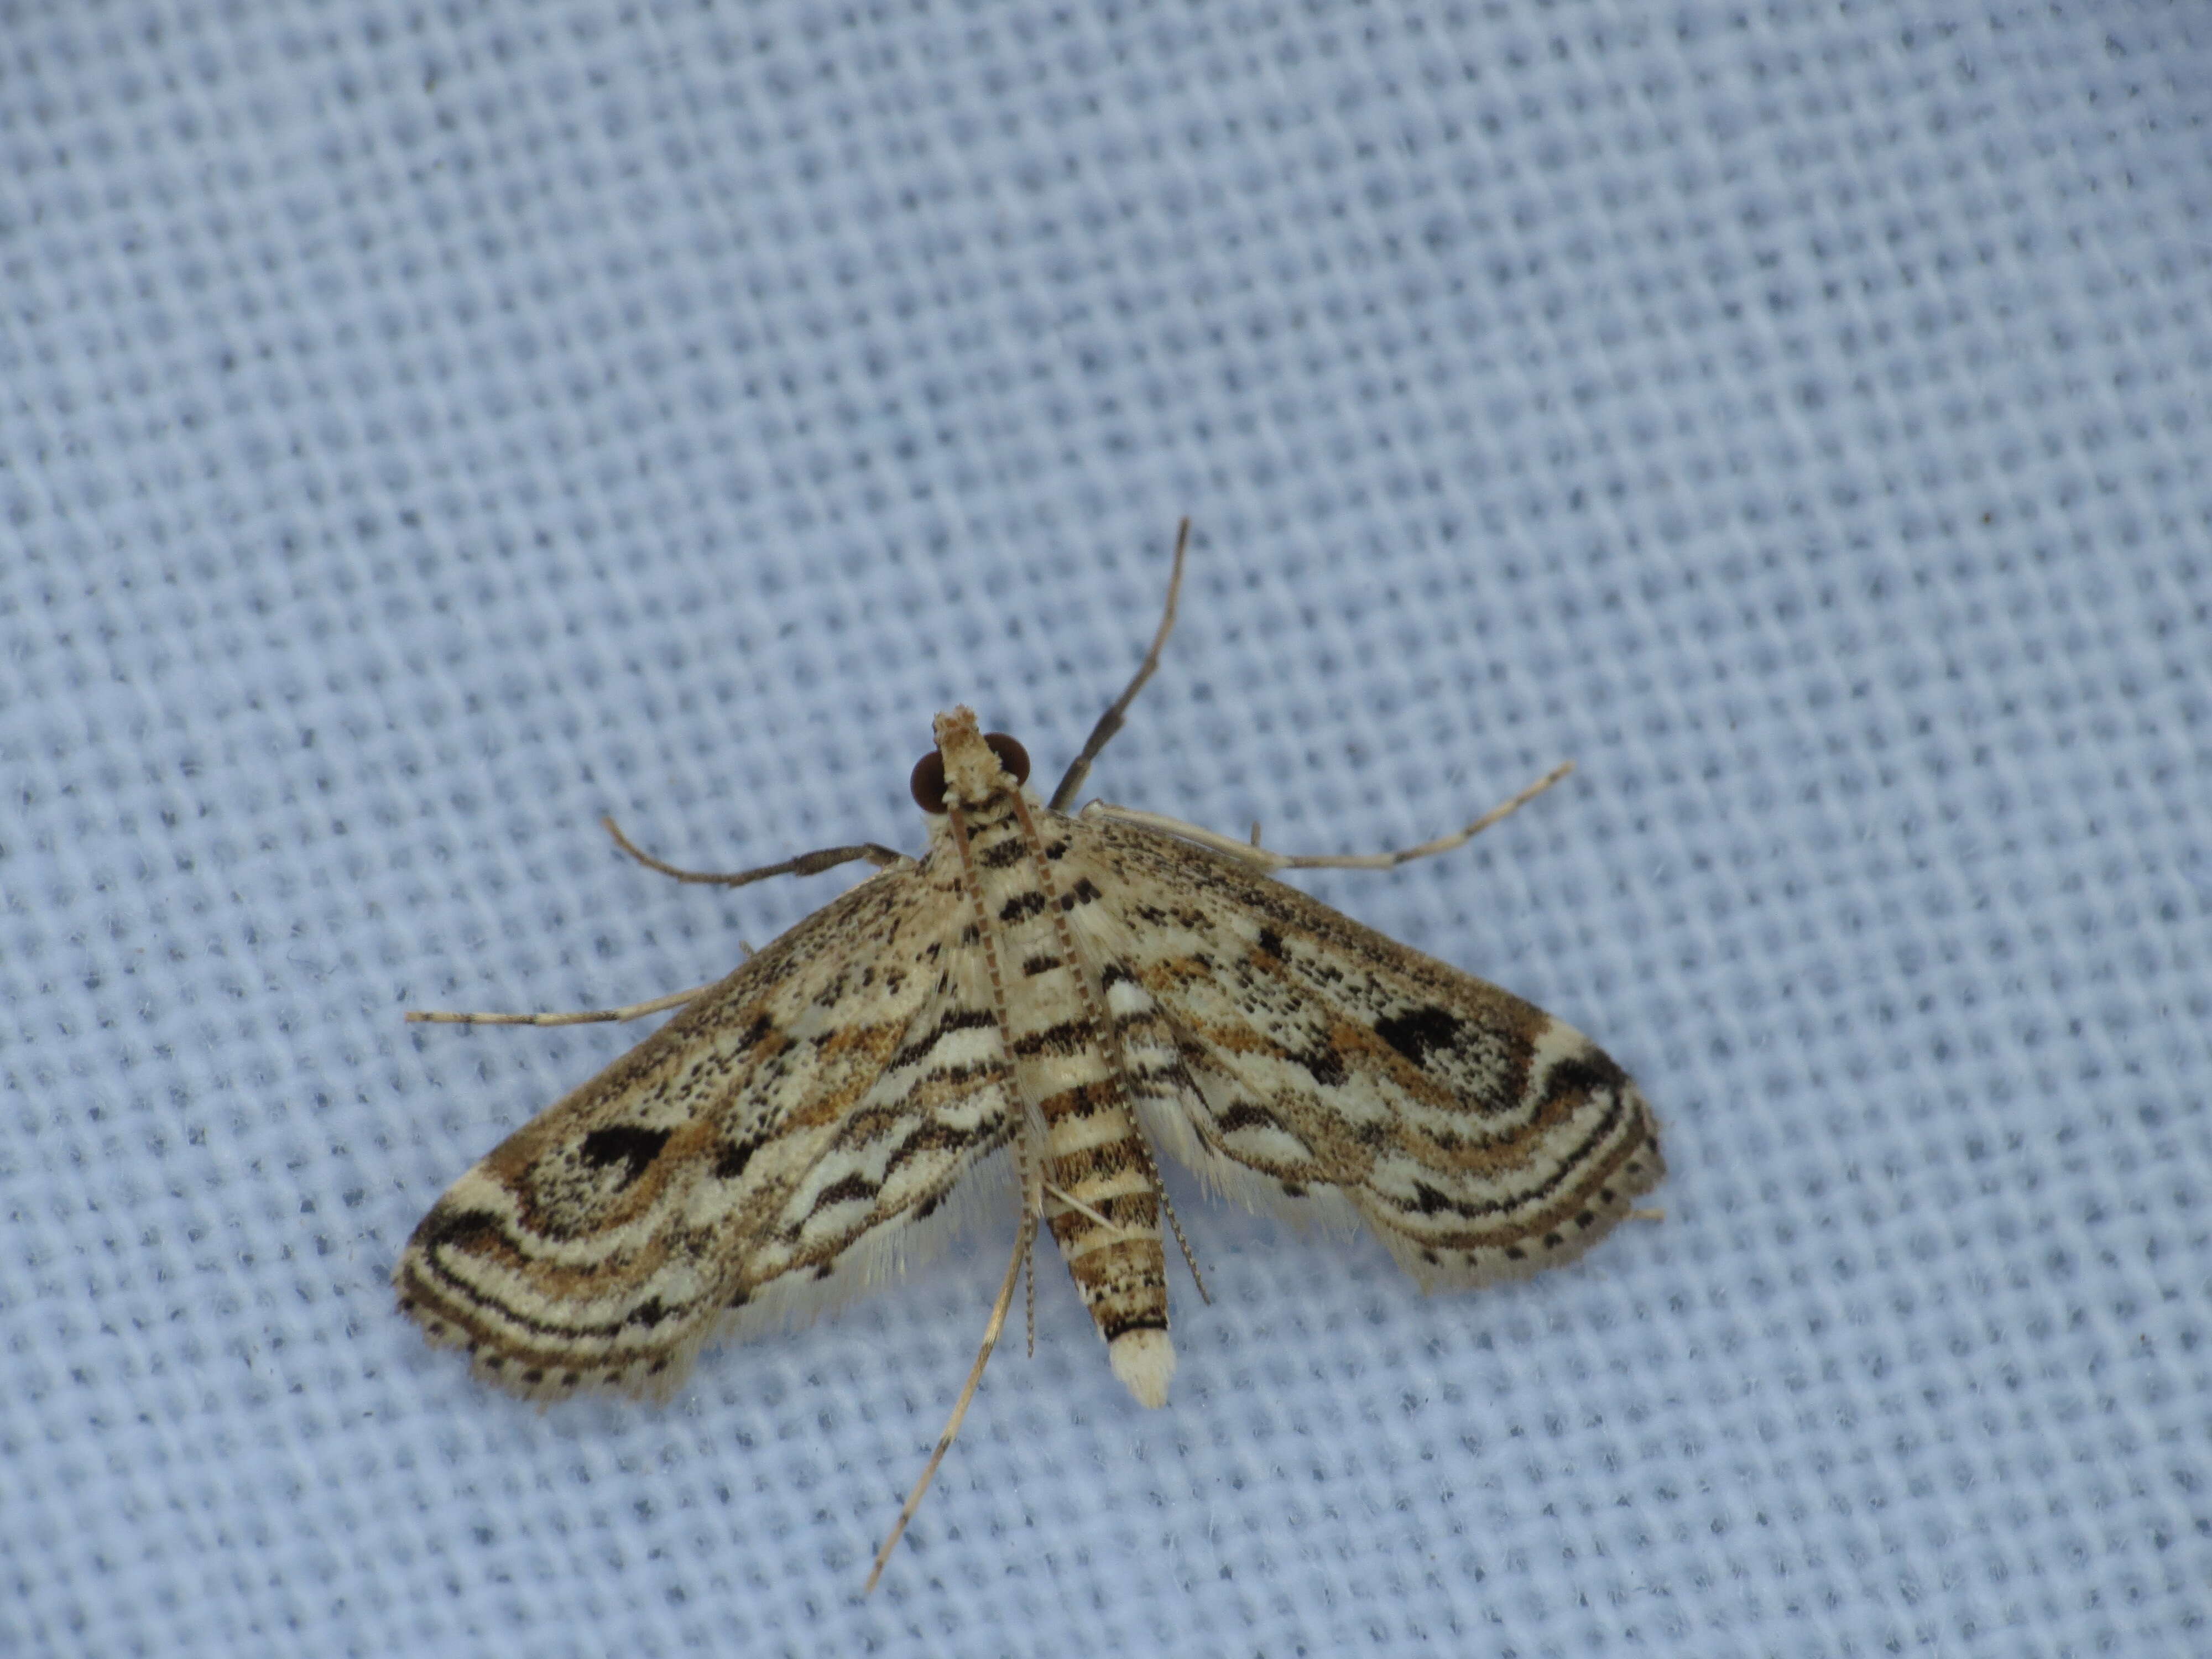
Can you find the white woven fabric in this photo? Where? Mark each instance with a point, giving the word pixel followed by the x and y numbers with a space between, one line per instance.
pixel 426 430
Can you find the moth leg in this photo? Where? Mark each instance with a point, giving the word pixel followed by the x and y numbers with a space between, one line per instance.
pixel 807 864
pixel 587 1017
pixel 1110 722
pixel 1077 1205
pixel 1267 859
pixel 998 1309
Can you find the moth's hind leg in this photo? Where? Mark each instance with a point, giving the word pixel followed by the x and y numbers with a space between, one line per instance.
pixel 1110 722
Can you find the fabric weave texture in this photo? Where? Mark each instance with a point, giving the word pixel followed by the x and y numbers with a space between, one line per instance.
pixel 428 431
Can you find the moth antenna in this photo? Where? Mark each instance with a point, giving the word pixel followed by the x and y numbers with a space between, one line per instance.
pixel 1189 1260
pixel 998 1311
pixel 1110 722
pixel 1175 1224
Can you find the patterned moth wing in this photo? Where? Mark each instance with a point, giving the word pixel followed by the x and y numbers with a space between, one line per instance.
pixel 1286 1053
pixel 793 1119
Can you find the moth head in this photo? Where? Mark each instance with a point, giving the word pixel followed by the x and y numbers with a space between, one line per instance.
pixel 966 766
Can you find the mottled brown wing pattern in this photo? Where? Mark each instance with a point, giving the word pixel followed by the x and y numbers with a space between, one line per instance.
pixel 788 1122
pixel 1285 1052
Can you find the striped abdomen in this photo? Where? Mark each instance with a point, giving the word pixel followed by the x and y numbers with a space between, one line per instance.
pixel 1101 1193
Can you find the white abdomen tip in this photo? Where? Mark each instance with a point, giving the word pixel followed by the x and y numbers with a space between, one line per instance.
pixel 1144 1361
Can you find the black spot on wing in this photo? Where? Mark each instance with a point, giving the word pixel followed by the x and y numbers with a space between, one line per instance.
pixel 1271 944
pixel 624 1143
pixel 1585 1074
pixel 1069 1036
pixel 852 1189
pixel 734 1157
pixel 1420 1032
pixel 1079 1100
pixel 1428 1200
pixel 1245 1115
pixel 460 1228
pixel 932 1137
pixel 1323 1065
pixel 1021 906
pixel 953 1019
pixel 999 855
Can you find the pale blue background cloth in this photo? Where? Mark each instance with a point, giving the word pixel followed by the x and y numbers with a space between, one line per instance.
pixel 427 429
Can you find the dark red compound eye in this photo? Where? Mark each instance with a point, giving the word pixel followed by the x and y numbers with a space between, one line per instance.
pixel 928 782
pixel 1011 756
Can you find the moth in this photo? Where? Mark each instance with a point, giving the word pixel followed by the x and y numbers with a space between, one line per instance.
pixel 1062 995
